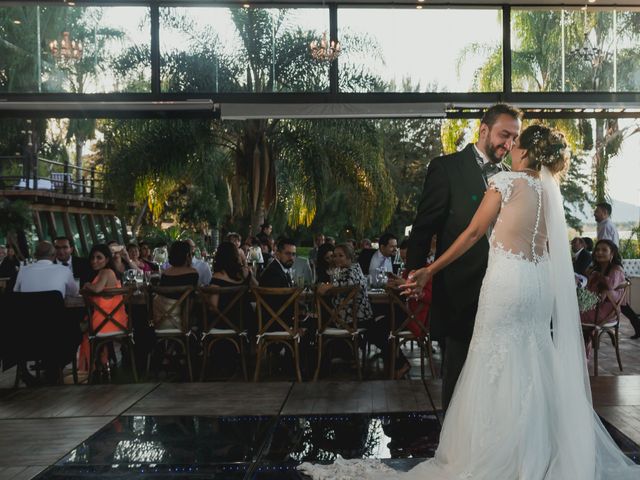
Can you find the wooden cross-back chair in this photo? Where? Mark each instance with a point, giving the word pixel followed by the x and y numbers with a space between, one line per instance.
pixel 98 337
pixel 175 314
pixel 610 325
pixel 333 323
pixel 223 325
pixel 274 327
pixel 400 332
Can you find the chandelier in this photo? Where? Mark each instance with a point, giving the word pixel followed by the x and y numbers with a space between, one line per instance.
pixel 67 50
pixel 324 50
pixel 588 52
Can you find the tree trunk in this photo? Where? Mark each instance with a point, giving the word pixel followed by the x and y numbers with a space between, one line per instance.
pixel 600 164
pixel 78 175
pixel 138 222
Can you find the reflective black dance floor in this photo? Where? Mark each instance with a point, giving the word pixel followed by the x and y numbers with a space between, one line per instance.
pixel 252 447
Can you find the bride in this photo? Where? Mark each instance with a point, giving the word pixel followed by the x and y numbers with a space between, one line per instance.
pixel 522 406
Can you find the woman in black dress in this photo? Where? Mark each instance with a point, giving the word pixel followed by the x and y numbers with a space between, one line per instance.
pixel 179 274
pixel 324 263
pixel 228 271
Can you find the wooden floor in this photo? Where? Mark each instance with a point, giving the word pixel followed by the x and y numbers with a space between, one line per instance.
pixel 39 426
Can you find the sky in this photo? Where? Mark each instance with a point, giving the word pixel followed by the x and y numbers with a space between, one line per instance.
pixel 424 45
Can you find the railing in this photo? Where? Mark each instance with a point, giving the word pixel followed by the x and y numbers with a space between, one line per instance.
pixel 27 173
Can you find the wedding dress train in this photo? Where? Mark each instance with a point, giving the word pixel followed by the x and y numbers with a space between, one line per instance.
pixel 521 409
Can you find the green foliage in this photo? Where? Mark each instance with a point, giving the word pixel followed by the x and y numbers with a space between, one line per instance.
pixel 15 216
pixel 630 248
pixel 158 236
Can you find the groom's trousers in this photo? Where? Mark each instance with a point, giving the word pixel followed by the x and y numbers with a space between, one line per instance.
pixel 455 354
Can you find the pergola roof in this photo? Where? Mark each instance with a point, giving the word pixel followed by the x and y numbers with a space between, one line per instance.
pixel 332 104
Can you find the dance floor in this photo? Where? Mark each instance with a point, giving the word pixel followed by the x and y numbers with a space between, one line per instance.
pixel 240 430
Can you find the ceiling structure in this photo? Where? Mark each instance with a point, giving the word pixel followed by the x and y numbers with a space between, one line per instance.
pixel 332 104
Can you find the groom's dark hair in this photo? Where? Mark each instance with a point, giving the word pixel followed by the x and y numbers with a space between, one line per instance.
pixel 491 115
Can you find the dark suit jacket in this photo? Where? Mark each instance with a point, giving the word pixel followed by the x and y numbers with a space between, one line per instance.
pixel 453 189
pixel 81 269
pixel 364 259
pixel 274 277
pixel 583 261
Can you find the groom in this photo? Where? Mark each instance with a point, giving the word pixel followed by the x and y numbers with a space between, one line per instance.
pixel 453 189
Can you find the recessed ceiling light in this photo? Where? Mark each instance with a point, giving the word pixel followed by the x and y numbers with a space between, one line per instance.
pixel 419 7
pixel 17 22
pixel 246 5
pixel 592 1
pixel 420 1
pixel 71 3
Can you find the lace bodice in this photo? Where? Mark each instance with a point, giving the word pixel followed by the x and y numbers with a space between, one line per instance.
pixel 520 231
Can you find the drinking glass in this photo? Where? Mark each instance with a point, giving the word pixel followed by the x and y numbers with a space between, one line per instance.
pixel 129 276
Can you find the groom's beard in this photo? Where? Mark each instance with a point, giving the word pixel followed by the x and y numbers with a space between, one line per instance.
pixel 495 153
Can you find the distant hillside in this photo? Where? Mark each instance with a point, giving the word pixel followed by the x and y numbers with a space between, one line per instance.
pixel 622 212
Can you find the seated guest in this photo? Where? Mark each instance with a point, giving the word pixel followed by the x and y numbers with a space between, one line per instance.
pixel 146 256
pixel 9 263
pixel 202 267
pixel 236 240
pixel 278 273
pixel 102 262
pixel 402 248
pixel 228 271
pixel 588 243
pixel 384 256
pixel 266 249
pixel 120 259
pixel 581 256
pixel 101 259
pixel 265 233
pixel 44 275
pixel 79 267
pixel 324 263
pixel 605 275
pixel 180 273
pixel 318 240
pixel 136 261
pixel 350 274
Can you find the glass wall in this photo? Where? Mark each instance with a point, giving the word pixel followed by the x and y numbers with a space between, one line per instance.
pixel 75 49
pixel 242 49
pixel 575 50
pixel 426 50
pixel 84 218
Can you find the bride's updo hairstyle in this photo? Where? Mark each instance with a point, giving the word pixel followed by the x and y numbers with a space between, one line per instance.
pixel 545 147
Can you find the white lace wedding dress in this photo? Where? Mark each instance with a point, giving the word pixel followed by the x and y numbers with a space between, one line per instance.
pixel 521 408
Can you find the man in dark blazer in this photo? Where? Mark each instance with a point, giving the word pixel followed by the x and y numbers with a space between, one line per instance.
pixel 80 267
pixel 581 256
pixel 453 189
pixel 278 273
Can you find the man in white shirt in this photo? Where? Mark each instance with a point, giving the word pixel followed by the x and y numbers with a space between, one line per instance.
pixel 44 275
pixel 383 258
pixel 606 229
pixel 204 271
